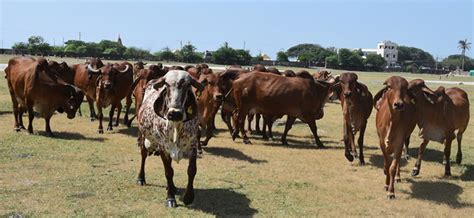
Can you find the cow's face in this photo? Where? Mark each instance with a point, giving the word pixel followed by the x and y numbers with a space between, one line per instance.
pixel 424 95
pixel 107 77
pixel 73 102
pixel 349 85
pixel 176 101
pixel 213 86
pixel 396 93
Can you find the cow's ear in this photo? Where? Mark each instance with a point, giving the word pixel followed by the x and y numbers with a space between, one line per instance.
pixel 190 106
pixel 199 86
pixel 431 96
pixel 42 65
pixel 362 89
pixel 378 96
pixel 160 106
pixel 159 83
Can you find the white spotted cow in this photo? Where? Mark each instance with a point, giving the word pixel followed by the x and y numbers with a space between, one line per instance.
pixel 168 125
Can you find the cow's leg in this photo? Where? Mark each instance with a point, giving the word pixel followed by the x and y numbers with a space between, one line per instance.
pixel 119 110
pixel 257 123
pixel 249 122
pixel 226 118
pixel 209 133
pixel 459 154
pixel 141 176
pixel 171 189
pixel 188 197
pixel 264 128
pixel 241 114
pixel 100 115
pixel 111 117
pixel 360 141
pixel 447 156
pixel 31 116
pixel 49 133
pixel 347 141
pixel 314 130
pixel 90 101
pixel 20 118
pixel 16 109
pixel 405 150
pixel 393 171
pixel 270 125
pixel 421 151
pixel 128 104
pixel 397 177
pixel 288 125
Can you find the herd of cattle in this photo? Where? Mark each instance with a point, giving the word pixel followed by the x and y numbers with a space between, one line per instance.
pixel 176 105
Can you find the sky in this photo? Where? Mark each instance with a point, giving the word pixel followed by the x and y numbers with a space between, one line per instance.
pixel 260 26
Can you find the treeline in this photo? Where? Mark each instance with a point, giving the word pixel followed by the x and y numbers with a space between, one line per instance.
pixel 410 59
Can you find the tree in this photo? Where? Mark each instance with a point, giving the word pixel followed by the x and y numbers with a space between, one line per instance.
pixel 409 55
pixel 332 61
pixel 166 54
pixel 243 57
pixel 229 56
pixel 20 46
pixel 37 44
pixel 350 60
pixel 374 62
pixel 463 45
pixel 111 47
pixel 188 54
pixel 281 56
pixel 309 53
pixel 454 61
pixel 137 53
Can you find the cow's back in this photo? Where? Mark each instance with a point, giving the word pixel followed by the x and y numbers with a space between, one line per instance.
pixel 20 76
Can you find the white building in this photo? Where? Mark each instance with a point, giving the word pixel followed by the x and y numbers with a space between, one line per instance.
pixel 387 49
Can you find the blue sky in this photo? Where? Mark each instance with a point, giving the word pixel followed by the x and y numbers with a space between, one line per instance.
pixel 265 26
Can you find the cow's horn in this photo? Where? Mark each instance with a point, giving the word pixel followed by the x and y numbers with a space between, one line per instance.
pixel 126 69
pixel 89 67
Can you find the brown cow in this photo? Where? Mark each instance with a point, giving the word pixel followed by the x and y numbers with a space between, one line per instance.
pixel 137 67
pixel 395 121
pixel 209 102
pixel 85 77
pixel 356 102
pixel 33 85
pixel 263 92
pixel 439 114
pixel 114 84
pixel 322 75
pixel 138 86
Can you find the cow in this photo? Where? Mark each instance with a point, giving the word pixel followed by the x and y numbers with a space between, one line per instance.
pixel 113 84
pixel 138 86
pixel 86 77
pixel 168 126
pixel 208 104
pixel 137 67
pixel 322 75
pixel 395 121
pixel 263 92
pixel 35 86
pixel 440 113
pixel 289 73
pixel 356 103
pixel 273 70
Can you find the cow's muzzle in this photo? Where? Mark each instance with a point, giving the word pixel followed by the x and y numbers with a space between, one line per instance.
pixel 219 97
pixel 398 105
pixel 347 94
pixel 174 114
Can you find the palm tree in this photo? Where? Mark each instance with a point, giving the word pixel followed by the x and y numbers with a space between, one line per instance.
pixel 463 45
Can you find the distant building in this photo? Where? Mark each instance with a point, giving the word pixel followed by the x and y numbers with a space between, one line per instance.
pixel 265 57
pixel 119 40
pixel 386 49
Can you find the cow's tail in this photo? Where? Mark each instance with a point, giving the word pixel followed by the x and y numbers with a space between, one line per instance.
pixel 7 71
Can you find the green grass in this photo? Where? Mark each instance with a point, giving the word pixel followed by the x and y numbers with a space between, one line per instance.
pixel 83 173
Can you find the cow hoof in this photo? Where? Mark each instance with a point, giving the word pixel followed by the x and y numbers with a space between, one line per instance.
pixel 171 202
pixel 234 136
pixel 92 119
pixel 407 157
pixel 258 132
pixel 391 196
pixel 116 124
pixel 385 187
pixel 458 158
pixel 284 142
pixel 247 141
pixel 141 182
pixel 50 134
pixel 447 174
pixel 415 172
pixel 349 157
pixel 361 163
pixel 203 143
pixel 17 129
pixel 444 162
pixel 321 147
pixel 398 180
pixel 100 131
pixel 188 198
pixel 200 151
pixel 109 128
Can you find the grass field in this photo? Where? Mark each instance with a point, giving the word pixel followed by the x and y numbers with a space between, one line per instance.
pixel 83 173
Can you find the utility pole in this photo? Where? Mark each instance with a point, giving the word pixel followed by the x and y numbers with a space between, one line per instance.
pixel 79 36
pixel 436 63
pixel 54 41
pixel 63 40
pixel 244 45
pixel 181 44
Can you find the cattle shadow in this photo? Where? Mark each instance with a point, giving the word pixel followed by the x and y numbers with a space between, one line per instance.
pixel 132 131
pixel 440 192
pixel 377 160
pixel 468 173
pixel 431 155
pixel 71 136
pixel 232 153
pixel 222 202
pixel 5 112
